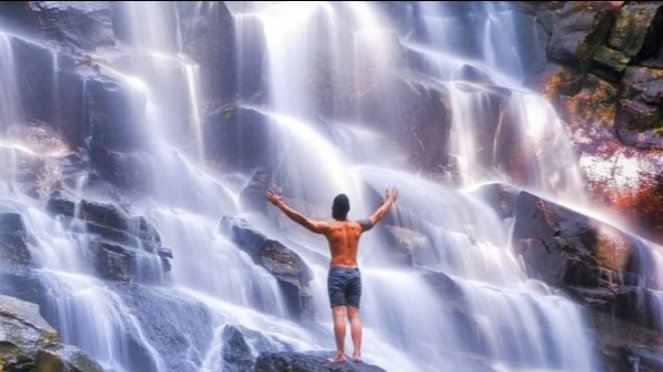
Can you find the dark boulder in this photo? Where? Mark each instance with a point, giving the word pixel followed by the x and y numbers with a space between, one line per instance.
pixel 637 28
pixel 236 353
pixel 114 113
pixel 292 273
pixel 239 139
pixel 126 248
pixel 129 171
pixel 208 37
pixel 113 262
pixel 612 62
pixel 638 124
pixel 298 362
pixel 472 74
pixel 179 327
pixel 579 31
pixel 625 178
pixel 598 264
pixel 13 239
pixel 82 24
pixel 420 121
pixel 625 346
pixel 65 358
pixel 29 343
pixel 50 89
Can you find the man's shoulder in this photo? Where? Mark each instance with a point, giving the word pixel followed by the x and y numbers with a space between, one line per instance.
pixel 365 224
pixel 344 224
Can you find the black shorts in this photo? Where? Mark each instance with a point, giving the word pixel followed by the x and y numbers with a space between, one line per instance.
pixel 344 286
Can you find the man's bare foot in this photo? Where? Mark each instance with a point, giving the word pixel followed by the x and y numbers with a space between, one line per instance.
pixel 336 359
pixel 356 358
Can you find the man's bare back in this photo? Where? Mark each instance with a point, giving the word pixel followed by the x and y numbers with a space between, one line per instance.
pixel 343 238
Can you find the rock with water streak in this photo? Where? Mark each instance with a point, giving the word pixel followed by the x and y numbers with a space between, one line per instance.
pixel 65 358
pixel 38 139
pixel 252 196
pixel 23 328
pixel 292 273
pixel 626 346
pixel 129 171
pixel 83 24
pixel 51 89
pixel 473 74
pixel 236 353
pixel 114 113
pixel 615 117
pixel 181 328
pixel 238 138
pixel 600 265
pixel 208 37
pixel 298 362
pixel 125 248
pixel 13 238
pixel 421 121
pixel 625 178
pixel 29 343
pixel 615 128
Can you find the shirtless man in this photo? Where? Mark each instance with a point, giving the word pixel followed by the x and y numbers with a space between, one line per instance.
pixel 344 279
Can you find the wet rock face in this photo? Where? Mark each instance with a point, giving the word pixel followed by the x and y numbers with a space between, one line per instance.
pixel 599 265
pixel 129 171
pixel 125 248
pixel 236 354
pixel 636 29
pixel 252 197
pixel 73 99
pixel 421 119
pixel 579 31
pixel 83 24
pixel 209 37
pixel 626 346
pixel 13 239
pixel 29 343
pixel 113 109
pixel 180 328
pixel 238 138
pixel 277 362
pixel 292 273
pixel 605 81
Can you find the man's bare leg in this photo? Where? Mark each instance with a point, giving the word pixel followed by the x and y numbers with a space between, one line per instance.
pixel 355 330
pixel 338 313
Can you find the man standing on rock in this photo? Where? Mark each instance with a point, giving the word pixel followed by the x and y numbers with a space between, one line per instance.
pixel 344 279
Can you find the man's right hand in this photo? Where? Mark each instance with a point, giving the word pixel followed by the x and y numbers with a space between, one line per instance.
pixel 274 197
pixel 391 195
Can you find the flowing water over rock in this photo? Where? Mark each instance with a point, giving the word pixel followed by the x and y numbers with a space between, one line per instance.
pixel 318 108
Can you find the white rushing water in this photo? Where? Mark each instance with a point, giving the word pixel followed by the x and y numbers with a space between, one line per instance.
pixel 463 304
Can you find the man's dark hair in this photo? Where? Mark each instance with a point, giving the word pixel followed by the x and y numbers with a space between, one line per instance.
pixel 341 207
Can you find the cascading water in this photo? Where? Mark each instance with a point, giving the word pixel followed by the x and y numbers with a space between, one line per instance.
pixel 8 93
pixel 453 298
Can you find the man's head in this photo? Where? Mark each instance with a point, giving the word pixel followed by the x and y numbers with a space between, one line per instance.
pixel 340 207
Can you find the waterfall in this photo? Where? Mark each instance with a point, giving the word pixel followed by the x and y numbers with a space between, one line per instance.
pixel 8 93
pixel 443 288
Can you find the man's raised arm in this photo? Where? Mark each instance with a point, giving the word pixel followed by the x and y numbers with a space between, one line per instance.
pixel 378 215
pixel 314 226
